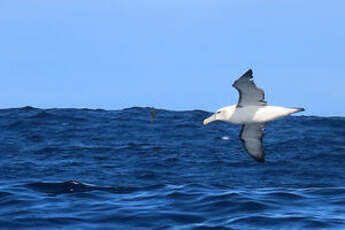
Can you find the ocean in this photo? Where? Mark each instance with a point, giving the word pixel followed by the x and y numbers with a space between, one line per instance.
pixel 115 169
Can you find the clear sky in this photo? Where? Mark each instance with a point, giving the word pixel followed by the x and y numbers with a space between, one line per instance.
pixel 171 54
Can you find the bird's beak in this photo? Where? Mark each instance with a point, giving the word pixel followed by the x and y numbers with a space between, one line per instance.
pixel 210 119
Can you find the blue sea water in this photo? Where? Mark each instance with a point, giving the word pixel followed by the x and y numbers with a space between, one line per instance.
pixel 98 169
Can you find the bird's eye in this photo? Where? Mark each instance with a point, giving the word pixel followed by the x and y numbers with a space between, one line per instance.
pixel 218 112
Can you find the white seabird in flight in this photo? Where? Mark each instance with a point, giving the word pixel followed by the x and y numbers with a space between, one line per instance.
pixel 252 112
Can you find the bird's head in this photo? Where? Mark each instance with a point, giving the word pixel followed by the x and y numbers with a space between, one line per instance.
pixel 222 114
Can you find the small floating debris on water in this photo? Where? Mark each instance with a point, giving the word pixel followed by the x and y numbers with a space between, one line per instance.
pixel 225 138
pixel 153 114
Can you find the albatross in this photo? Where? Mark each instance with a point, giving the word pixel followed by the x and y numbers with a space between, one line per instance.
pixel 252 112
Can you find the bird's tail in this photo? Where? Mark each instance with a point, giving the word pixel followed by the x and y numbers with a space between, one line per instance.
pixel 297 110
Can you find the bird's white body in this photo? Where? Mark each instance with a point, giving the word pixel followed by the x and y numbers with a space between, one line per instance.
pixel 253 114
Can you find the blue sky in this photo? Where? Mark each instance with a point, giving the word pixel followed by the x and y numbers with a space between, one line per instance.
pixel 171 54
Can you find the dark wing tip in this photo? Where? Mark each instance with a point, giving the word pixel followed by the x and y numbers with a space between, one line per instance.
pixel 259 159
pixel 249 73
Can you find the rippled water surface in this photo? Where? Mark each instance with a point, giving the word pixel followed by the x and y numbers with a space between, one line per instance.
pixel 97 169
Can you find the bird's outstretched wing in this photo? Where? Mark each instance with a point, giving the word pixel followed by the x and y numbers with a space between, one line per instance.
pixel 249 93
pixel 251 136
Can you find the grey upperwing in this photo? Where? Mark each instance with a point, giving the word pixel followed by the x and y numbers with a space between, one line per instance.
pixel 249 93
pixel 251 136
